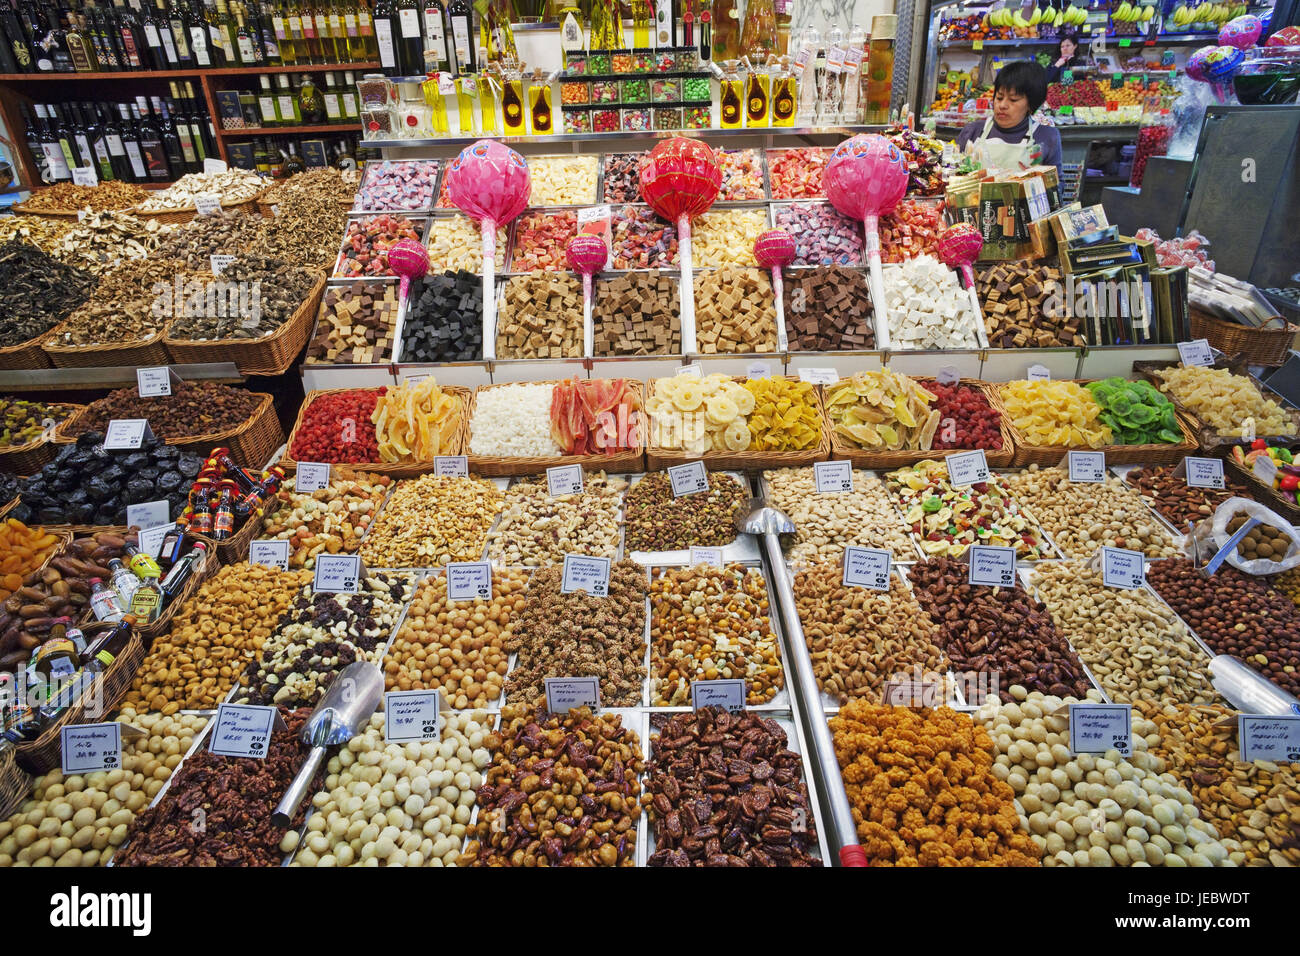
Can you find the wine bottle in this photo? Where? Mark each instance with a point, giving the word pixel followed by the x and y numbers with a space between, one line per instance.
pixel 200 39
pixel 247 49
pixel 17 42
pixel 130 33
pixel 386 37
pixel 122 168
pixel 409 38
pixel 80 133
pixel 158 38
pixel 131 140
pixel 463 36
pixel 435 38
pixel 270 39
pixel 32 136
pixel 80 46
pixel 98 141
pixel 171 140
pixel 151 142
pixel 333 108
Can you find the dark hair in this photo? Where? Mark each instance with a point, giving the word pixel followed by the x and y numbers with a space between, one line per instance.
pixel 1026 78
pixel 1072 38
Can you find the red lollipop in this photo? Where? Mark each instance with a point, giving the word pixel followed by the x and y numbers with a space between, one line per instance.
pixel 775 249
pixel 680 179
pixel 959 246
pixel 587 254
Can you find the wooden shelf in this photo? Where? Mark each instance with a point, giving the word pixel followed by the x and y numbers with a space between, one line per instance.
pixel 292 130
pixel 296 68
pixel 173 74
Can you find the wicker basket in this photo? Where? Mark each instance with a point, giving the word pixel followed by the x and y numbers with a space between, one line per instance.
pixel 264 207
pixel 15 784
pixel 865 458
pixel 1048 455
pixel 144 352
pixel 32 457
pixel 1209 437
pixel 28 355
pixel 1257 346
pixel 493 466
pixel 23 209
pixel 44 754
pixel 188 213
pixel 235 548
pixel 270 355
pixel 1283 503
pixel 657 459
pixel 251 443
pixel 402 469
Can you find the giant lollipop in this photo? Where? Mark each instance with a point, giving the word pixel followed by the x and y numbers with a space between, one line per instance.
pixel 959 245
pixel 1241 32
pixel 489 182
pixel 865 178
pixel 410 260
pixel 774 250
pixel 1215 65
pixel 680 179
pixel 587 254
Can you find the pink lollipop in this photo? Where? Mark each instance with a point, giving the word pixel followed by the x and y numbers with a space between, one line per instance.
pixel 865 178
pixel 959 246
pixel 587 254
pixel 489 182
pixel 410 260
pixel 1241 32
pixel 774 250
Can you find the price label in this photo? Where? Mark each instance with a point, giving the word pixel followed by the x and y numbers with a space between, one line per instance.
pixel 758 370
pixel 469 581
pixel 154 382
pixel 1121 568
pixel 710 556
pixel 220 262
pixel 910 693
pixel 270 552
pixel 312 476
pixel 148 514
pixel 585 573
pixel 412 715
pixel 819 376
pixel 243 730
pixel 1039 373
pixel 967 468
pixel 1266 737
pixel 453 466
pixel 564 480
pixel 85 176
pixel 948 375
pixel 565 693
pixel 690 370
pixel 688 479
pixel 1097 728
pixel 1087 466
pixel 867 568
pixel 833 476
pixel 213 166
pixel 415 378
pixel 992 567
pixel 126 434
pixel 727 694
pixel 1197 352
pixel 1204 472
pixel 1265 469
pixel 337 574
pixel 207 204
pixel 977 46
pixel 151 539
pixel 89 748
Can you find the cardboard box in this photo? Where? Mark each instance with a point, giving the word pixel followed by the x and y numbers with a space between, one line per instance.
pixel 1000 220
pixel 1078 221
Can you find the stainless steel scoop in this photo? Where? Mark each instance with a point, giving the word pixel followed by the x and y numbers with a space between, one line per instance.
pixel 341 714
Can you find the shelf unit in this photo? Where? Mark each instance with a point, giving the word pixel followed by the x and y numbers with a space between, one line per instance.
pixel 16 88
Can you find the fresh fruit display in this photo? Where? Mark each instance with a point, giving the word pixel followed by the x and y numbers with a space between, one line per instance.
pixel 1129 18
pixel 1055 413
pixel 1136 412
pixel 1078 93
pixel 1286 481
pixel 1185 18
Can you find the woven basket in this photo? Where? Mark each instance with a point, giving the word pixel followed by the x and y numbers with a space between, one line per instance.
pixel 1209 437
pixel 402 469
pixel 32 457
pixel 28 355
pixel 657 459
pixel 1048 455
pixel 188 213
pixel 493 466
pixel 1283 504
pixel 251 443
pixel 15 784
pixel 144 352
pixel 1258 346
pixel 24 209
pixel 865 458
pixel 235 548
pixel 44 754
pixel 270 355
pixel 267 212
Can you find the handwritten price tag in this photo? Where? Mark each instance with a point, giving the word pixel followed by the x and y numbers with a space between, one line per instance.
pixel 758 370
pixel 269 552
pixel 967 468
pixel 312 476
pixel 710 556
pixel 688 479
pixel 910 693
pixel 85 176
pixel 833 476
pixel 154 382
pixel 411 715
pixel 243 731
pixel 212 166
pixel 565 693
pixel 819 376
pixel 207 204
pixel 867 568
pixel 1265 737
pixel 1097 728
pixel 992 567
pixel 469 581
pixel 1039 373
pixel 1087 466
pixel 126 434
pixel 948 375
pixel 1121 568
pixel 88 748
pixel 149 514
pixel 1197 352
pixel 564 480
pixel 690 370
pixel 337 574
pixel 727 694
pixel 1204 472
pixel 220 263
pixel 585 573
pixel 453 466
pixel 151 539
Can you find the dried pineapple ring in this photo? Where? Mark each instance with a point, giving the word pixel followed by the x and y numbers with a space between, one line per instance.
pixel 737 437
pixel 743 398
pixel 655 403
pixel 699 446
pixel 694 427
pixel 688 398
pixel 721 410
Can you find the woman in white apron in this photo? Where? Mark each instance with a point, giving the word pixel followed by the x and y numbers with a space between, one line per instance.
pixel 1011 139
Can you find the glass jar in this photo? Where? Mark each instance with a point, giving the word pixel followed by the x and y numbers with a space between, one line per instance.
pixel 604 91
pixel 573 92
pixel 758 34
pixel 643 61
pixel 636 119
pixel 604 119
pixel 635 90
pixel 577 119
pixel 665 62
pixel 598 64
pixel 667 89
pixel 376 123
pixel 696 117
pixel 668 117
pixel 1270 75
pixel 686 59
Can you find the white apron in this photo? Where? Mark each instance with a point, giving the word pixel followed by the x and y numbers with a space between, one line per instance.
pixel 998 154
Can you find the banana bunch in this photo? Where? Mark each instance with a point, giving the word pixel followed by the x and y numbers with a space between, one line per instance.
pixel 1132 13
pixel 1071 16
pixel 1218 13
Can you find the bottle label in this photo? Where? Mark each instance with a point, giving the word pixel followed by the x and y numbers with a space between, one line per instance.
pixel 267 105
pixel 332 106
pixel 336 23
pixel 200 43
pixel 54 157
pixel 363 22
pixel 115 146
pixel 322 25
pixel 410 22
pixel 246 49
pixel 128 47
pixel 350 106
pixel 384 33
pixel 350 24
pixel 295 26
pixel 460 34
pixel 169 48
pixel 286 108
pixel 277 25
pixel 434 35
pixel 137 161
pixel 187 144
pixel 309 28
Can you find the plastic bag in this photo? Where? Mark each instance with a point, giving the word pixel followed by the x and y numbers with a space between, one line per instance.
pixel 1212 534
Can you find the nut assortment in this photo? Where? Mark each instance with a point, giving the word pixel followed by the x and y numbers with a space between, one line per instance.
pixel 1084 516
pixel 560 791
pixel 541 317
pixel 654 520
pixel 332 520
pixel 457 647
pixel 759 814
pixel 432 520
pixel 858 638
pixel 1134 645
pixel 321 634
pixel 576 635
pixel 711 624
pixel 537 529
pixel 213 637
pixel 735 311
pixel 827 523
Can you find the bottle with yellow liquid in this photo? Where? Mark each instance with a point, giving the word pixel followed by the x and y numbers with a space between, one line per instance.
pixel 512 104
pixel 641 16
pixel 541 118
pixel 435 89
pixel 731 106
pixel 784 96
pixel 487 100
pixel 466 85
pixel 758 94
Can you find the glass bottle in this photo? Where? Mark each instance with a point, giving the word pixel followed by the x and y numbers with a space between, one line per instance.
pixel 466 86
pixel 496 35
pixel 880 68
pixel 356 43
pixel 333 108
pixel 487 104
pixel 435 38
pixel 287 108
pixel 311 104
pixel 726 30
pixel 784 102
pixel 105 602
pixel 731 106
pixel 386 37
pixel 642 14
pixel 462 36
pixel 348 98
pixel 758 95
pixel 124 582
pixel 266 103
pixel 758 35
pixel 408 38
pixel 541 118
pixel 512 104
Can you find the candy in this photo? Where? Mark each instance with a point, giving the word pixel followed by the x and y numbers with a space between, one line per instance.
pixel 355 324
pixel 541 317
pixel 604 120
pixel 797 173
pixel 637 314
pixel 911 230
pixel 699 414
pixel 623 177
pixel 822 234
pixel 828 309
pixel 1013 297
pixel 883 410
pixel 642 240
pixel 695 89
pixel 928 308
pixel 417 421
pixel 444 319
pixel 1224 401
pixel 635 119
pixel 735 311
pixel 391 185
pixel 726 237
pixel 636 90
pixel 1055 413
pixel 367 241
pixel 455 242
pixel 785 416
pixel 539 241
pixel 563 180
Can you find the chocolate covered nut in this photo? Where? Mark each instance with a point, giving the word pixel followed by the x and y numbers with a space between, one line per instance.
pixel 828 310
pixel 637 314
pixel 444 319
pixel 1012 295
pixel 541 317
pixel 355 324
pixel 735 311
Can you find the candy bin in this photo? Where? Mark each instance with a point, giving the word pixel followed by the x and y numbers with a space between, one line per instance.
pixel 668 117
pixel 598 64
pixel 577 119
pixel 574 92
pixel 540 239
pixel 686 59
pixel 604 91
pixel 695 89
pixel 635 119
pixel 575 64
pixel 696 117
pixel 643 61
pixel 635 89
pixel 911 230
pixel 604 119
pixel 665 89
pixel 665 62
pixel 622 61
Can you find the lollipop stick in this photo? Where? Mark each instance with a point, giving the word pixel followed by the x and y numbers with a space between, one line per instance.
pixel 687 292
pixel 586 315
pixel 489 229
pixel 782 342
pixel 870 224
pixel 968 275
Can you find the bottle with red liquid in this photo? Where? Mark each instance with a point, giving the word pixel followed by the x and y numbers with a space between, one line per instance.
pixel 223 512
pixel 201 519
pixel 263 491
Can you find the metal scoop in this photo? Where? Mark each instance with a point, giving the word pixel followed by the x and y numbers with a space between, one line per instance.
pixel 341 714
